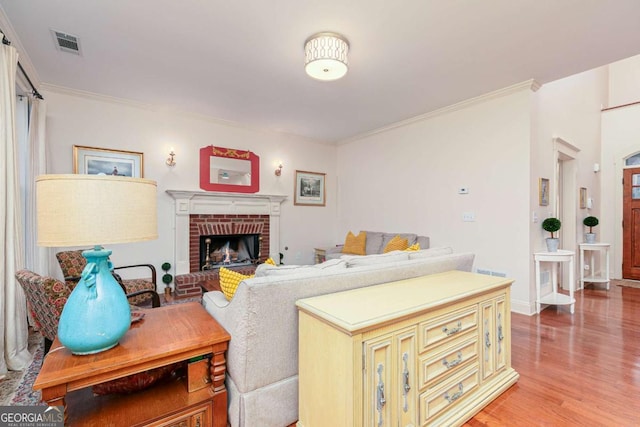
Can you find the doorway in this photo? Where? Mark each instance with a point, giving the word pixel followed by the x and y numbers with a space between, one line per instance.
pixel 631 224
pixel 566 201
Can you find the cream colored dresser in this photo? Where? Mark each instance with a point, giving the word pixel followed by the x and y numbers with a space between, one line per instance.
pixel 432 350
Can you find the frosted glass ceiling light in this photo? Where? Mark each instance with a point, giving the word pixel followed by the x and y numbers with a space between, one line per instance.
pixel 326 56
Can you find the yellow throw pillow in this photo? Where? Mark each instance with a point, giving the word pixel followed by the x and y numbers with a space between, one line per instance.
pixel 229 281
pixel 270 261
pixel 355 245
pixel 414 247
pixel 396 244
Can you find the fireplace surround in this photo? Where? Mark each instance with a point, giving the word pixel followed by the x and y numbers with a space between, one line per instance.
pixel 201 213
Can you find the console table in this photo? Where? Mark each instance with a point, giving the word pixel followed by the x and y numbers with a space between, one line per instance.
pixel 593 277
pixel 555 298
pixel 432 350
pixel 164 336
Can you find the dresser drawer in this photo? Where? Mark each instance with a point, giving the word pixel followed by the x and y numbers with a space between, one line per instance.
pixel 450 325
pixel 434 402
pixel 448 359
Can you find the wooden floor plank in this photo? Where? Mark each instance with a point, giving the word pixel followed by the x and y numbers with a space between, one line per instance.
pixel 575 370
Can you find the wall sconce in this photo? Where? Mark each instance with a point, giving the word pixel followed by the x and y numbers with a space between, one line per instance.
pixel 170 160
pixel 279 169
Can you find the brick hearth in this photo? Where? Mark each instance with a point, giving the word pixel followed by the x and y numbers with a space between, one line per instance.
pixel 187 285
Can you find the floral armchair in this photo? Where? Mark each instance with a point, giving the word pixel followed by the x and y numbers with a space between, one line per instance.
pixel 72 263
pixel 46 297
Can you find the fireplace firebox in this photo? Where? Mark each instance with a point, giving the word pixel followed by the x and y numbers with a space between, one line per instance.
pixel 228 250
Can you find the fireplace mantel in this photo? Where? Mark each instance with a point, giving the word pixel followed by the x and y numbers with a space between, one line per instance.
pixel 217 203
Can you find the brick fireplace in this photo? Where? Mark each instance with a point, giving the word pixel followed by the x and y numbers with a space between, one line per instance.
pixel 200 213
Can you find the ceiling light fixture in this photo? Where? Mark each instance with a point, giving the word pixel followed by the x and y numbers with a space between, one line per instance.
pixel 326 56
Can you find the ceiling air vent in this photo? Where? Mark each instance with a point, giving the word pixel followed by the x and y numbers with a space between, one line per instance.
pixel 66 42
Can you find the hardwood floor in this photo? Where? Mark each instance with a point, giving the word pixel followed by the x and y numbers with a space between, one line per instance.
pixel 575 370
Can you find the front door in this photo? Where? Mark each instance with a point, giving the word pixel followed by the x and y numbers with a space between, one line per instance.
pixel 631 224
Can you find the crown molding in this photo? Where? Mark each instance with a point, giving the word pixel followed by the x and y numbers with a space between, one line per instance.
pixel 531 85
pixel 63 90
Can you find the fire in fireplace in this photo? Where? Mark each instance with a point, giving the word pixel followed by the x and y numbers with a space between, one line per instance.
pixel 228 250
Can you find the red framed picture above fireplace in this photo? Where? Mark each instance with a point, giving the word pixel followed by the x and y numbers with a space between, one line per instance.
pixel 229 170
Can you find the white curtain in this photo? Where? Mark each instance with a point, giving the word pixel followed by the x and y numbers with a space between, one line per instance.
pixel 36 257
pixel 13 307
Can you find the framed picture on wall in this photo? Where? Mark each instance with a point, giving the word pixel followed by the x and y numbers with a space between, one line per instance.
pixel 543 191
pixel 583 198
pixel 309 189
pixel 104 161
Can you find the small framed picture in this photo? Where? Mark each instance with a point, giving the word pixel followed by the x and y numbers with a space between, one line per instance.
pixel 543 191
pixel 104 161
pixel 583 198
pixel 309 189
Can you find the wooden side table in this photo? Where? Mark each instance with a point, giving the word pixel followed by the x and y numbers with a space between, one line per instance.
pixel 603 277
pixel 555 298
pixel 320 255
pixel 164 336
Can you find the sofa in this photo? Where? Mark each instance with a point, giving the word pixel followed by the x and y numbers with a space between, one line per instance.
pixel 262 319
pixel 377 241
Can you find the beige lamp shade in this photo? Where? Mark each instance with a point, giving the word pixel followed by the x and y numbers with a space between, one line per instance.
pixel 79 210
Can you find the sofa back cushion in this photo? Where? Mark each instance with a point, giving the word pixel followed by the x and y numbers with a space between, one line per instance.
pixel 357 261
pixel 374 242
pixel 266 270
pixel 431 252
pixel 423 241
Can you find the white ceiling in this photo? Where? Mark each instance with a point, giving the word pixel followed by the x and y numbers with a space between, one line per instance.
pixel 242 60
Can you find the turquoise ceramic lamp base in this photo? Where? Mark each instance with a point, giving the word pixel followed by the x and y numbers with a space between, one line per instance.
pixel 97 312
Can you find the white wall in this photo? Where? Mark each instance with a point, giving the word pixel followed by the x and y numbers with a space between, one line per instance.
pixel 569 109
pixel 82 119
pixel 624 85
pixel 413 172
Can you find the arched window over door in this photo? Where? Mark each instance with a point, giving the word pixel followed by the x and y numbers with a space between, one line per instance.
pixel 632 160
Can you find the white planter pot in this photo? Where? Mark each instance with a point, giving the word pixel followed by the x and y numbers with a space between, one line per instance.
pixel 552 244
pixel 590 237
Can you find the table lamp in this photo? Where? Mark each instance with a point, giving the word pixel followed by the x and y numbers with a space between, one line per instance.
pixel 88 210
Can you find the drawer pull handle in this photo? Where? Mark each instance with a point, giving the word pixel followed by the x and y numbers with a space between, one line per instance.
pixel 487 335
pixel 454 362
pixel 500 335
pixel 405 377
pixel 380 400
pixel 455 396
pixel 452 331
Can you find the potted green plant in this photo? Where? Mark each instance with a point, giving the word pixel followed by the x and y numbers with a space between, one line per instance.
pixel 167 278
pixel 590 221
pixel 552 225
